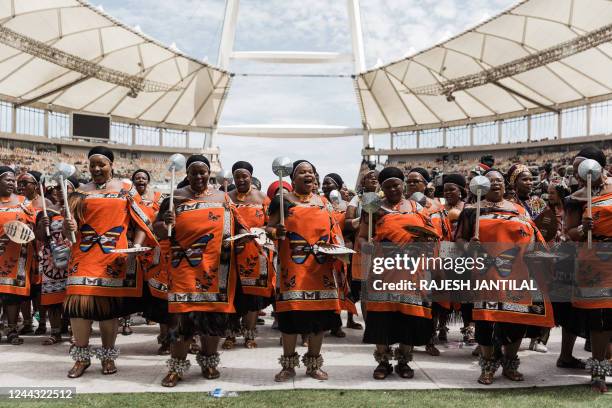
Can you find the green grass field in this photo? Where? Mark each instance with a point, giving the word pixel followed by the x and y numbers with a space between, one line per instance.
pixel 574 396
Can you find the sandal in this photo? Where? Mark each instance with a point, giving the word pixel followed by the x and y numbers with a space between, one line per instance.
pixel 14 339
pixel 317 374
pixel 285 375
pixel 54 338
pixel 210 373
pixel 443 335
pixel 163 350
pixel 108 367
pixel 250 344
pixel 177 367
pixel 404 370
pixel 513 375
pixel 486 378
pixel 171 379
pixel 78 369
pixel 574 364
pixel 599 385
pixel 432 350
pixel 338 333
pixel 313 366
pixel 229 343
pixel 194 348
pixel 354 325
pixel 510 370
pixel 40 330
pixel 382 371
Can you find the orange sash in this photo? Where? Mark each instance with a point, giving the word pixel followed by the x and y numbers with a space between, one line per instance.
pixel 94 270
pixel 392 228
pixel 254 263
pixel 594 273
pixel 157 272
pixel 202 275
pixel 53 279
pixel 15 259
pixel 506 236
pixel 309 281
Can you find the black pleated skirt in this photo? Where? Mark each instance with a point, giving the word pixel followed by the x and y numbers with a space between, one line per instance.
pixel 581 321
pixel 182 326
pixel 308 322
pixel 387 328
pixel 155 309
pixel 100 308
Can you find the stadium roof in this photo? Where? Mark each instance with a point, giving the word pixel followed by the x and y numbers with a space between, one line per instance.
pixel 539 55
pixel 71 55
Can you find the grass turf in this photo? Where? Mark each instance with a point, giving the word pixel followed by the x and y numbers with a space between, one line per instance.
pixel 571 396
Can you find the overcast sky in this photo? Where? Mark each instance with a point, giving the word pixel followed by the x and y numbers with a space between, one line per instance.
pixel 392 29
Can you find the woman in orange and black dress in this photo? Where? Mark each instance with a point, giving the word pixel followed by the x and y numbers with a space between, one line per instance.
pixel 53 260
pixel 102 285
pixel 203 280
pixel 502 317
pixel 154 264
pixel 369 184
pixel 254 263
pixel 309 299
pixel 28 185
pixel 403 319
pixel 591 311
pixel 15 259
pixel 331 182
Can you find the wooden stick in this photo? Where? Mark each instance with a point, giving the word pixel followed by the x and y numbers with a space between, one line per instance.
pixel 44 206
pixel 67 208
pixel 172 197
pixel 282 200
pixel 589 210
pixel 477 233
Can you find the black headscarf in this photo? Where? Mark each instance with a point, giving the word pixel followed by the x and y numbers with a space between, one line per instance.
pixel 244 166
pixel 101 150
pixel 141 171
pixel 593 153
pixel 423 172
pixel 198 158
pixel 6 169
pixel 454 178
pixel 337 179
pixel 297 163
pixel 74 181
pixel 390 172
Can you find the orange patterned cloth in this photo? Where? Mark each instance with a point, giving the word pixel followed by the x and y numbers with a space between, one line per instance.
pixel 202 273
pixel 311 281
pixel 157 272
pixel 507 235
pixel 401 228
pixel 255 264
pixel 594 274
pixel 94 269
pixel 15 259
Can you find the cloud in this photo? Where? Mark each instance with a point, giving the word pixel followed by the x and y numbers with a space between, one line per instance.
pixel 392 29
